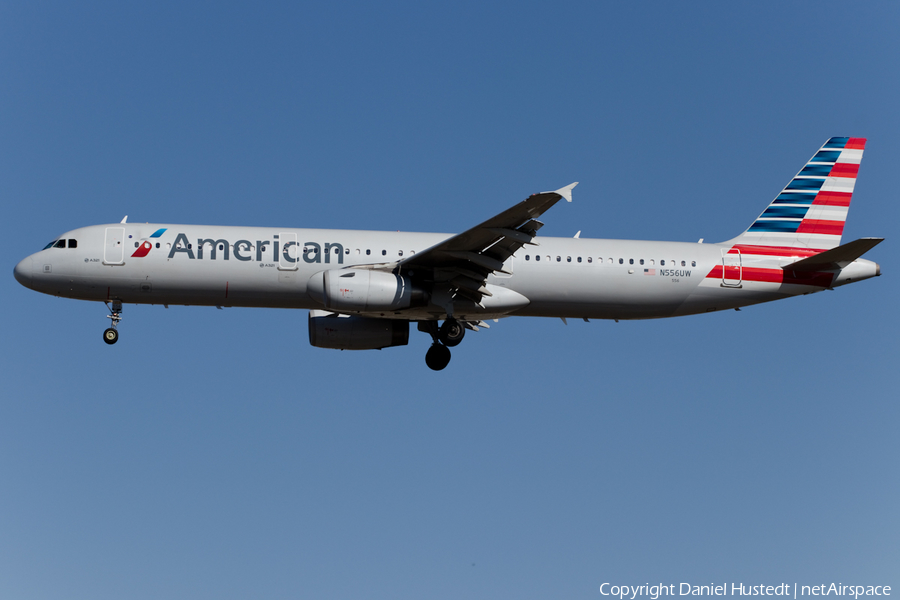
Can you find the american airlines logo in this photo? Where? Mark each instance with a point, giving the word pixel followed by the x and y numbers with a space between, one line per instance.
pixel 145 247
pixel 260 250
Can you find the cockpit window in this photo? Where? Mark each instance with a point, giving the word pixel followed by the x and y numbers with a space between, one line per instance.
pixel 50 245
pixel 73 243
pixel 60 244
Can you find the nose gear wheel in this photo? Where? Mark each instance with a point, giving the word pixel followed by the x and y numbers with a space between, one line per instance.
pixel 111 335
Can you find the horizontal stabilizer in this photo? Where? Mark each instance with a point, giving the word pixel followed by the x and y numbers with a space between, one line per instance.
pixel 836 258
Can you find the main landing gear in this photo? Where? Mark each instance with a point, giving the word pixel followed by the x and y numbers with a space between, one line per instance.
pixel 437 357
pixel 452 332
pixel 111 335
pixel 444 337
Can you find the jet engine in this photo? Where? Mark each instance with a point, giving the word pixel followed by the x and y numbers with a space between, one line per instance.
pixel 363 290
pixel 347 332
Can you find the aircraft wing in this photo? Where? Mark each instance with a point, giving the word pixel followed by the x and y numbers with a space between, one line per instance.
pixel 464 261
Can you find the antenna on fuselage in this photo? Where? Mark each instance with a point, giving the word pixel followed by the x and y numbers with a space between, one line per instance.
pixel 124 219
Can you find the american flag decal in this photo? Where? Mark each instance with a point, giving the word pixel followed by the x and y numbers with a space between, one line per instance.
pixel 649 271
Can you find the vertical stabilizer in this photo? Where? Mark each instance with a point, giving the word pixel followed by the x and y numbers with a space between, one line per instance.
pixel 811 210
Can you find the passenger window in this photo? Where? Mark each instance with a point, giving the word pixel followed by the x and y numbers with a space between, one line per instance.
pixel 642 261
pixel 73 243
pixel 630 261
pixel 157 244
pixel 683 264
pixel 693 263
pixel 537 257
pixel 384 252
pixel 527 257
pixel 621 261
pixel 568 259
pixel 592 260
pixel 652 262
pixel 368 252
pixel 400 253
pixel 221 247
pixel 559 259
pixel 662 263
pixel 135 244
pixel 579 259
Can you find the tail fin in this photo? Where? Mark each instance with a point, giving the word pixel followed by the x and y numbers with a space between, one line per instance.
pixel 810 212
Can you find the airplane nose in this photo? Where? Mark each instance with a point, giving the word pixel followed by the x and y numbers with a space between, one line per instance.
pixel 22 272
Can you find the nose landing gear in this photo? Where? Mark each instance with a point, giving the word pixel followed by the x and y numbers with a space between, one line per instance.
pixel 111 335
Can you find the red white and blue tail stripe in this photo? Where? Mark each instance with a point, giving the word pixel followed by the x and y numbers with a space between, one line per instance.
pixel 811 210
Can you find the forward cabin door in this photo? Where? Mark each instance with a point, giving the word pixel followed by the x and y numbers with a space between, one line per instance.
pixel 289 256
pixel 114 248
pixel 732 269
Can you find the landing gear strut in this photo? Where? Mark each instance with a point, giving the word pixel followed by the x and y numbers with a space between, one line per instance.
pixel 111 335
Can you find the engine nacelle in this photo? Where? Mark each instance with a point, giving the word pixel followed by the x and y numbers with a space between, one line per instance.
pixel 363 290
pixel 347 332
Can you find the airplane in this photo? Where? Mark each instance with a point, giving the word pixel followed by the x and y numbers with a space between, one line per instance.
pixel 364 288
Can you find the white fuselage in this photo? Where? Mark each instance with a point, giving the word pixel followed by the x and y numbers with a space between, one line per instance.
pixel 265 267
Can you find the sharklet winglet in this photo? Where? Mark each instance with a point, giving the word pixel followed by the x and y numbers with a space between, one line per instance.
pixel 565 192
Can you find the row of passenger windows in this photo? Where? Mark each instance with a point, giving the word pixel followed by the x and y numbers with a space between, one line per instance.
pixel 74 244
pixel 347 251
pixel 537 257
pixel 590 259
pixel 358 251
pixel 62 244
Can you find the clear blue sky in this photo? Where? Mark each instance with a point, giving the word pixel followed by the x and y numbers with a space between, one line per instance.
pixel 215 454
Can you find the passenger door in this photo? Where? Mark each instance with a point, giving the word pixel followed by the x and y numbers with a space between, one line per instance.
pixel 732 269
pixel 114 248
